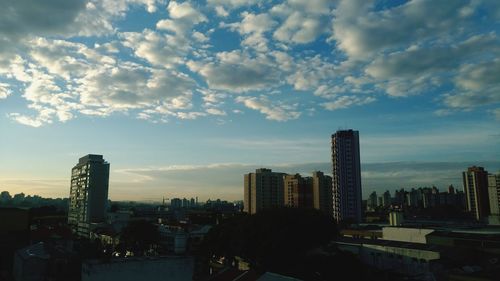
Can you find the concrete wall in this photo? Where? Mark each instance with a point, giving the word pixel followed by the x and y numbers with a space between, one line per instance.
pixel 402 234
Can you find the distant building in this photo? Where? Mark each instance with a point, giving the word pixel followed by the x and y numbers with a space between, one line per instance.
pixel 399 197
pixel 298 191
pixel 386 199
pixel 494 195
pixel 372 201
pixel 88 194
pixel 176 203
pixel 346 176
pixel 263 189
pixel 322 192
pixel 475 181
pixel 396 218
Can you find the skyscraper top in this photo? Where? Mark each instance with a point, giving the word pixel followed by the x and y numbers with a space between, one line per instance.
pixel 475 169
pixel 263 170
pixel 91 157
pixel 345 132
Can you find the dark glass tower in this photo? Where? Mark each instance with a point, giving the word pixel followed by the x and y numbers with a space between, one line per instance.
pixel 346 180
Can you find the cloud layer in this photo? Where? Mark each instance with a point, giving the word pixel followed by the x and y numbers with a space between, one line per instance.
pixel 227 178
pixel 66 59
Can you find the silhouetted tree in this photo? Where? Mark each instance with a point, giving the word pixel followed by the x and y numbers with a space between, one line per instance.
pixel 139 237
pixel 278 240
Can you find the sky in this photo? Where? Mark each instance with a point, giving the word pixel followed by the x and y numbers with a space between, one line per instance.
pixel 184 97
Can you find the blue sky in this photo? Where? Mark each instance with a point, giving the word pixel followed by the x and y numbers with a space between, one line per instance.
pixel 183 97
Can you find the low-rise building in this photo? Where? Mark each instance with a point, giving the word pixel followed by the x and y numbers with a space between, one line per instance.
pixel 45 261
pixel 406 234
pixel 172 268
pixel 410 259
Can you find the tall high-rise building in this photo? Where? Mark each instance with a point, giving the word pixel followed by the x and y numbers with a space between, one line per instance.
pixel 346 176
pixel 494 193
pixel 322 192
pixel 262 190
pixel 88 194
pixel 475 181
pixel 298 192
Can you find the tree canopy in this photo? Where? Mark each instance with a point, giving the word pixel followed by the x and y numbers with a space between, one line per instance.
pixel 279 240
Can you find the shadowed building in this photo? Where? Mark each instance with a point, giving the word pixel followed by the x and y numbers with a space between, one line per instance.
pixel 263 189
pixel 88 194
pixel 475 181
pixel 494 196
pixel 346 176
pixel 298 191
pixel 322 192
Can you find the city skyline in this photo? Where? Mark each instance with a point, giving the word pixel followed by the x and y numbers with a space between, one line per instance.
pixel 183 97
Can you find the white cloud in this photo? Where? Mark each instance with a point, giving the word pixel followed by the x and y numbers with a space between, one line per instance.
pixel 43 118
pixel 78 60
pixel 362 32
pixel 190 115
pixel 4 91
pixel 308 73
pixel 232 3
pixel 236 71
pixel 221 12
pixel 200 37
pixel 276 111
pixel 215 111
pixel 304 20
pixel 156 48
pixel 347 101
pixel 185 11
pixel 299 29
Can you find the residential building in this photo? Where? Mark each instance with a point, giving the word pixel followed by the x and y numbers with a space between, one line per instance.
pixel 88 194
pixel 475 181
pixel 346 178
pixel 176 203
pixel 262 190
pixel 494 197
pixel 298 192
pixel 396 218
pixel 386 199
pixel 322 192
pixel 494 193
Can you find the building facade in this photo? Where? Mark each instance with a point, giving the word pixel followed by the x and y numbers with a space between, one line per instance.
pixel 494 193
pixel 346 180
pixel 262 190
pixel 298 191
pixel 88 194
pixel 322 192
pixel 475 181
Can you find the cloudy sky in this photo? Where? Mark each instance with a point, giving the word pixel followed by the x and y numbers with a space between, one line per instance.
pixel 183 97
